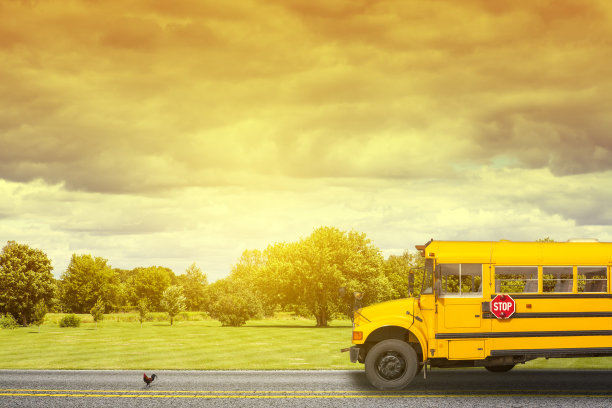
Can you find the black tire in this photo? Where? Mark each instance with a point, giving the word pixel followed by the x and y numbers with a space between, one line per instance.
pixel 391 365
pixel 500 368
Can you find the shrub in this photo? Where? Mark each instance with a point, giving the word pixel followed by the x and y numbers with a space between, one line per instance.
pixel 173 301
pixel 143 310
pixel 97 312
pixel 233 303
pixel 7 321
pixel 40 311
pixel 70 320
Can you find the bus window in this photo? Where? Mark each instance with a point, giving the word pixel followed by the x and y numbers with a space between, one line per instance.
pixel 516 279
pixel 557 278
pixel 427 287
pixel 461 279
pixel 592 279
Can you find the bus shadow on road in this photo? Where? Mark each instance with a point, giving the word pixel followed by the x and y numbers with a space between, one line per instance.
pixel 480 381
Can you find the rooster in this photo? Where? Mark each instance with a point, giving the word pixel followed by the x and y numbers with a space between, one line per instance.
pixel 148 380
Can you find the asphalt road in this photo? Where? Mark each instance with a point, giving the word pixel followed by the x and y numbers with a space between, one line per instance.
pixel 442 388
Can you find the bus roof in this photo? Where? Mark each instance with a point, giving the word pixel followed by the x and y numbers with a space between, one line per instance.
pixel 519 253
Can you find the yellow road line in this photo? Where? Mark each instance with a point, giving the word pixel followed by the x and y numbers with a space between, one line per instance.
pixel 149 391
pixel 84 395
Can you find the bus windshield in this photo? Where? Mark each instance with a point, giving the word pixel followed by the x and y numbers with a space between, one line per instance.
pixel 427 288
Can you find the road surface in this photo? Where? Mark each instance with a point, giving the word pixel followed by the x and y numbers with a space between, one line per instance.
pixel 442 388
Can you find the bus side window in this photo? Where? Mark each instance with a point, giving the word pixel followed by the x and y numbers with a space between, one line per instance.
pixel 449 274
pixel 461 279
pixel 592 279
pixel 516 279
pixel 557 278
pixel 471 277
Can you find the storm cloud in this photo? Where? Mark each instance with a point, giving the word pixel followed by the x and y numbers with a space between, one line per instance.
pixel 435 117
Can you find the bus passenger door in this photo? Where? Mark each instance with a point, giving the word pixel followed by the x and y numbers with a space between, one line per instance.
pixel 460 310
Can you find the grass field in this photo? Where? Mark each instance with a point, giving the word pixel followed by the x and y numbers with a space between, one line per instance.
pixel 195 342
pixel 190 344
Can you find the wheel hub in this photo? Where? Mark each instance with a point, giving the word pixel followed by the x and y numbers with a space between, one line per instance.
pixel 391 366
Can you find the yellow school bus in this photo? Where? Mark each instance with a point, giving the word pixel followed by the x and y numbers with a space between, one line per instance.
pixel 550 299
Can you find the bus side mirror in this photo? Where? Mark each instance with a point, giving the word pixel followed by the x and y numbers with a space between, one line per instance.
pixel 358 296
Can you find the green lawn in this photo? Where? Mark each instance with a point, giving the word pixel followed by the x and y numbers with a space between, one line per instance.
pixel 197 343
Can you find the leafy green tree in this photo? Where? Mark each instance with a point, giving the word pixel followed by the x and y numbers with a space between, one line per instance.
pixel 232 302
pixel 251 272
pixel 150 283
pixel 143 310
pixel 55 305
pixel 126 295
pixel 40 311
pixel 25 280
pixel 85 281
pixel 173 301
pixel 397 269
pixel 194 283
pixel 308 274
pixel 97 311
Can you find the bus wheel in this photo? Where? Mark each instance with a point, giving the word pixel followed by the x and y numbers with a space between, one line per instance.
pixel 500 368
pixel 391 365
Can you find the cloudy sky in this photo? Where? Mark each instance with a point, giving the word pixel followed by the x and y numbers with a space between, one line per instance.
pixel 153 132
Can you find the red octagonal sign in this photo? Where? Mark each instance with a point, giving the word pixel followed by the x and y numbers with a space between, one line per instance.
pixel 503 306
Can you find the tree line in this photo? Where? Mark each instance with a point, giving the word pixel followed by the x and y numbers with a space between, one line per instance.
pixel 304 277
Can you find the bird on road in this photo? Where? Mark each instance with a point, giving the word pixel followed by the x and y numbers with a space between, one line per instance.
pixel 148 380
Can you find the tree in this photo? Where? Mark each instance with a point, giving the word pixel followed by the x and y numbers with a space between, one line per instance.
pixel 97 311
pixel 250 271
pixel 306 276
pixel 397 269
pixel 143 310
pixel 126 293
pixel 25 280
pixel 150 283
pixel 309 273
pixel 86 280
pixel 194 284
pixel 40 311
pixel 173 301
pixel 232 302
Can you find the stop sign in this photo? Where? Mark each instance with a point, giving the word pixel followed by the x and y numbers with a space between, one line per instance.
pixel 503 306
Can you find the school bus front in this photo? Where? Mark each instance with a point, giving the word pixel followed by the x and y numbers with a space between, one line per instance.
pixel 558 294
